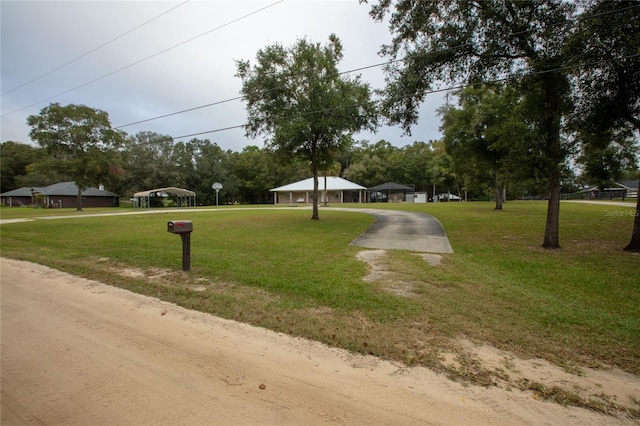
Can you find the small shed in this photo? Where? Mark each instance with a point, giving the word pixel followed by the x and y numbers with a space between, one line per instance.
pixel 185 197
pixel 390 191
pixel 338 190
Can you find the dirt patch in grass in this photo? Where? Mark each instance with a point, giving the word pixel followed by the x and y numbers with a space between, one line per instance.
pixel 377 266
pixel 606 389
pixel 166 277
pixel 389 279
pixel 379 273
pixel 431 259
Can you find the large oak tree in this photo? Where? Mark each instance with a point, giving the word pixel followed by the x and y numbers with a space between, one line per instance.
pixel 298 100
pixel 488 136
pixel 79 142
pixel 607 112
pixel 463 41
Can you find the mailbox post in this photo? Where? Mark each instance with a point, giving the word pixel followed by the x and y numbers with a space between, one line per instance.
pixel 183 228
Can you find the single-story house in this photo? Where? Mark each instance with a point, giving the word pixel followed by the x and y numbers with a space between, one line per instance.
pixel 623 189
pixel 390 192
pixel 63 194
pixel 631 186
pixel 338 190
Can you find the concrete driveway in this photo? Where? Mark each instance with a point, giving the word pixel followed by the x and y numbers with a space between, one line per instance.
pixel 403 230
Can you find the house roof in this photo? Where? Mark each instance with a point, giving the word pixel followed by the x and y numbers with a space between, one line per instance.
pixel 629 184
pixel 70 188
pixel 23 192
pixel 169 190
pixel 58 189
pixel 391 186
pixel 334 183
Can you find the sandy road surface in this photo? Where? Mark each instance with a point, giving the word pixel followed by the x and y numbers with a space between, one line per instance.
pixel 77 352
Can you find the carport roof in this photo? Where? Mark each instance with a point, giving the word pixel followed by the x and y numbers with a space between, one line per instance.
pixel 170 190
pixel 391 186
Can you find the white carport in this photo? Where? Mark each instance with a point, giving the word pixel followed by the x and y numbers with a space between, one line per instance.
pixel 185 196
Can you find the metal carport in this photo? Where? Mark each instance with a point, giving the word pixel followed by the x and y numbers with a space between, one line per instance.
pixel 144 197
pixel 388 189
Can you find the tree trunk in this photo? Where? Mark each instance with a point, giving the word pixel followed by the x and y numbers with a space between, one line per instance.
pixel 634 245
pixel 325 190
pixel 553 85
pixel 79 200
pixel 497 192
pixel 551 230
pixel 315 215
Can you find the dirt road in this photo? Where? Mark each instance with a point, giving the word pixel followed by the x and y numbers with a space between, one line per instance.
pixel 77 352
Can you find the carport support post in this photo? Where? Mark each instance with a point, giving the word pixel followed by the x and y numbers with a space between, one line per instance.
pixel 186 251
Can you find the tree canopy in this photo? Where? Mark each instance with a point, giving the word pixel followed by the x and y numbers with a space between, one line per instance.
pixel 298 100
pixel 488 136
pixel 607 114
pixel 14 159
pixel 461 41
pixel 80 142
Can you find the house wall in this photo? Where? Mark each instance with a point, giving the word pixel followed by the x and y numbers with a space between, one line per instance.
pixel 66 201
pixel 418 197
pixel 288 197
pixel 301 197
pixel 16 201
pixel 72 201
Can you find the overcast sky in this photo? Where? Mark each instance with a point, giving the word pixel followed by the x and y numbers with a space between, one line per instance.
pixel 40 36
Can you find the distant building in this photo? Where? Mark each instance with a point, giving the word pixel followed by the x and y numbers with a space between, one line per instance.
pixel 59 195
pixel 338 191
pixel 624 189
pixel 631 187
pixel 391 192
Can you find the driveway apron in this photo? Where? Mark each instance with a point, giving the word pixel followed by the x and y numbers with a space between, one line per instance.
pixel 403 230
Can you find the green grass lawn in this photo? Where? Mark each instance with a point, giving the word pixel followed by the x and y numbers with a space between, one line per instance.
pixel 576 306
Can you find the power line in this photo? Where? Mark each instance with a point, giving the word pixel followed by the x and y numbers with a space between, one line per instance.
pixel 145 59
pixel 94 49
pixel 372 66
pixel 430 92
pixel 180 112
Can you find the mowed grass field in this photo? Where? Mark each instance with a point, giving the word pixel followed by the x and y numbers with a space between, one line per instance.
pixel 575 306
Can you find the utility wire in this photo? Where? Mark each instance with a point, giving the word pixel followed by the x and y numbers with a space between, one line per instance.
pixel 145 59
pixel 369 67
pixel 94 49
pixel 180 112
pixel 430 92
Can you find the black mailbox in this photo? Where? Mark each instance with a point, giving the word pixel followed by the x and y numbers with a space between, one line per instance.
pixel 179 226
pixel 183 228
